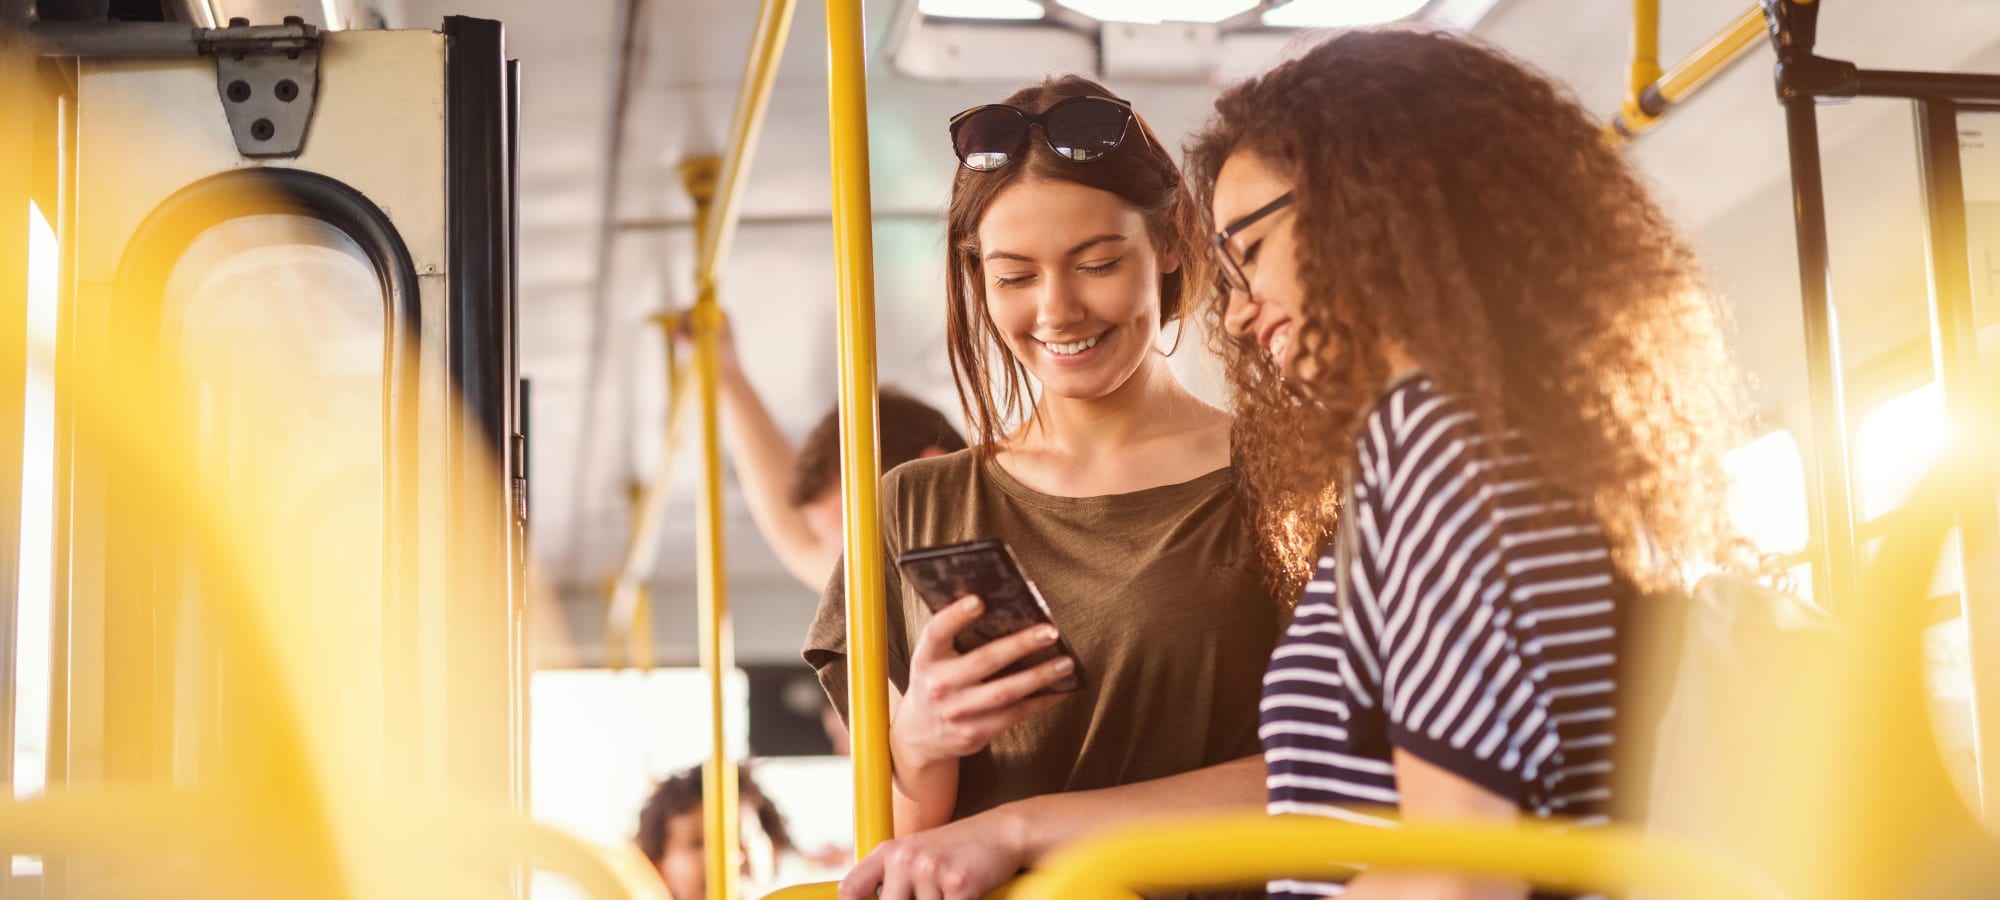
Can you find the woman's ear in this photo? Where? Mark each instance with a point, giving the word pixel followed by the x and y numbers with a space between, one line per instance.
pixel 1170 262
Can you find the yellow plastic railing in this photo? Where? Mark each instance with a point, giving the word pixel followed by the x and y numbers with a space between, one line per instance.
pixel 717 644
pixel 1249 849
pixel 854 255
pixel 1649 92
pixel 717 191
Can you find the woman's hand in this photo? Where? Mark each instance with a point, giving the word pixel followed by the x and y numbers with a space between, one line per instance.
pixel 682 331
pixel 950 709
pixel 961 861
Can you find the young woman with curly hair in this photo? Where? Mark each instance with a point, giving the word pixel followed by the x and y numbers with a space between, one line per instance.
pixel 1452 304
pixel 1073 242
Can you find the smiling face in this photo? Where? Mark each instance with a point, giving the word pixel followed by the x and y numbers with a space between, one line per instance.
pixel 1072 285
pixel 1271 311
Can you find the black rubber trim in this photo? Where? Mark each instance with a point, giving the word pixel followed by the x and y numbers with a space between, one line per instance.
pixel 164 237
pixel 172 226
pixel 1926 85
pixel 477 220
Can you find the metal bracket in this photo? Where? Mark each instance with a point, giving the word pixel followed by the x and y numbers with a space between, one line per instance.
pixel 1817 77
pixel 268 77
pixel 1794 28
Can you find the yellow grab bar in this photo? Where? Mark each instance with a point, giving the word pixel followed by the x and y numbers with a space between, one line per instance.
pixel 1713 56
pixel 1251 848
pixel 718 657
pixel 760 71
pixel 1648 98
pixel 723 855
pixel 214 844
pixel 714 231
pixel 1645 66
pixel 854 255
pixel 649 516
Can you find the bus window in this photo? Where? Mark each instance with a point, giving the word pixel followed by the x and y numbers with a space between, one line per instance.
pixel 1979 152
pixel 1897 443
pixel 294 301
pixel 279 323
pixel 1767 500
pixel 33 594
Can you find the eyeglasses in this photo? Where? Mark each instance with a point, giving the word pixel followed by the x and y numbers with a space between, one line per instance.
pixel 1084 129
pixel 1232 269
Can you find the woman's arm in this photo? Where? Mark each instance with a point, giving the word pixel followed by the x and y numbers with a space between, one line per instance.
pixel 765 463
pixel 1039 825
pixel 953 711
pixel 925 792
pixel 1431 793
pixel 972 856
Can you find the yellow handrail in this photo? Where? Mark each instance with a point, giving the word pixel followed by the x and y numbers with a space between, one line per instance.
pixel 1250 848
pixel 722 854
pixel 713 236
pixel 1713 56
pixel 854 254
pixel 718 196
pixel 1650 92
pixel 760 71
pixel 1645 66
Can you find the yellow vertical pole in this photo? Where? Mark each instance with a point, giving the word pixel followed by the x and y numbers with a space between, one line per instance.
pixel 854 254
pixel 718 775
pixel 1645 65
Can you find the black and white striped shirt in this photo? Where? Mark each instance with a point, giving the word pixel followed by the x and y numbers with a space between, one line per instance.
pixel 1479 633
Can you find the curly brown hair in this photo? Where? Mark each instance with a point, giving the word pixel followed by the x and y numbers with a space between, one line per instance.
pixel 1140 172
pixel 1453 200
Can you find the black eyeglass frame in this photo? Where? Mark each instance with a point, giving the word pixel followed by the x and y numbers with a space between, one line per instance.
pixel 1038 121
pixel 1232 270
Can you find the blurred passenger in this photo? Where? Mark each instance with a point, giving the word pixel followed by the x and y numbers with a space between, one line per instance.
pixel 1072 244
pixel 794 493
pixel 671 832
pixel 1451 296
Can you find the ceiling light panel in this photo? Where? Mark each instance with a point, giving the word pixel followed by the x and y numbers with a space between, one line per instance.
pixel 1013 10
pixel 1154 12
pixel 1341 13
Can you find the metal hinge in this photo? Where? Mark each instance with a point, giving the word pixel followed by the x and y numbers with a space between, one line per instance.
pixel 268 77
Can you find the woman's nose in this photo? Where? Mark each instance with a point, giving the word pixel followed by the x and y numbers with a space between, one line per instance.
pixel 1058 306
pixel 1239 319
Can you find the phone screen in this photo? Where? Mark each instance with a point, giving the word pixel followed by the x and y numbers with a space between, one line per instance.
pixel 989 570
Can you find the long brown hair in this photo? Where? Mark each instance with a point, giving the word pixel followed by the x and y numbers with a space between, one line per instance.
pixel 1139 172
pixel 1455 201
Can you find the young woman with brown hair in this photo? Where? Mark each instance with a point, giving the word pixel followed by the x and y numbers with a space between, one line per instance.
pixel 1073 242
pixel 1449 294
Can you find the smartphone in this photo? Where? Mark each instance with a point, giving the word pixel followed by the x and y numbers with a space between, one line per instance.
pixel 989 570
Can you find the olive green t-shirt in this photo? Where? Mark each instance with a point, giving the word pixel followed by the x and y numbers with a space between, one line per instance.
pixel 1158 592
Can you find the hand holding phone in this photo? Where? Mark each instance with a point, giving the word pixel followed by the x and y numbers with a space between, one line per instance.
pixel 957 702
pixel 1011 603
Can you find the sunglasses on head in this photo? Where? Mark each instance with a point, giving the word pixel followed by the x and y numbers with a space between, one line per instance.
pixel 1084 129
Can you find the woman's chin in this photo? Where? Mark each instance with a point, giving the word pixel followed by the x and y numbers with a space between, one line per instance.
pixel 1081 387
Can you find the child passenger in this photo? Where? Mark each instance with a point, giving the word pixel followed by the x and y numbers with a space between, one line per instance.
pixel 1447 293
pixel 1073 242
pixel 671 831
